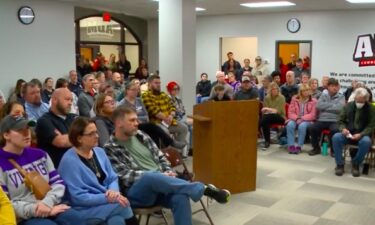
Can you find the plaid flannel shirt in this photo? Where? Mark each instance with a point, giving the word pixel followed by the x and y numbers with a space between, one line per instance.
pixel 158 103
pixel 128 170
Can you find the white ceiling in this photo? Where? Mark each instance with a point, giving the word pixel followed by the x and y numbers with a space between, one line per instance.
pixel 148 8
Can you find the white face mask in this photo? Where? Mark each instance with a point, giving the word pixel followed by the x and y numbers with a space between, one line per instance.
pixel 359 105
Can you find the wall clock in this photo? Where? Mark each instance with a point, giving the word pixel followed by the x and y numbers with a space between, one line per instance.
pixel 26 15
pixel 293 25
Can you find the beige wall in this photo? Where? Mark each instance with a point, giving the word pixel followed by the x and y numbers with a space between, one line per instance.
pixel 242 48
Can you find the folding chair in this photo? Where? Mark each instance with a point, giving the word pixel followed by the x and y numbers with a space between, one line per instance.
pixel 175 158
pixel 149 211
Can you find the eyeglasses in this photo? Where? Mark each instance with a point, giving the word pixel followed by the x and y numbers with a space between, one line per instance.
pixel 176 89
pixel 109 102
pixel 91 134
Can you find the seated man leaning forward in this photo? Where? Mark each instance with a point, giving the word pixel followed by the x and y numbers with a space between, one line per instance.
pixel 357 124
pixel 145 175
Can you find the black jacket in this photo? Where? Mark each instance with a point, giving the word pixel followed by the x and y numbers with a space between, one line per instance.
pixel 203 88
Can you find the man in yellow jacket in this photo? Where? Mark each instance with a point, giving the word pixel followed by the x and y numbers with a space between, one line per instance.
pixel 7 216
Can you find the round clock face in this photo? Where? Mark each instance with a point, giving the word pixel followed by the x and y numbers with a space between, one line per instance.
pixel 293 25
pixel 26 15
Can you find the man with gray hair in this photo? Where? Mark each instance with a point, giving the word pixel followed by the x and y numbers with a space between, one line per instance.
pixel 290 88
pixel 228 90
pixel 87 97
pixel 356 126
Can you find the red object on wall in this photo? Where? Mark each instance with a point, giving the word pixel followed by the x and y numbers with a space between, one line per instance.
pixel 106 17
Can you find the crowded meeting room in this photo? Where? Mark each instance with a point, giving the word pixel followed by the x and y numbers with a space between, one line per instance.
pixel 187 112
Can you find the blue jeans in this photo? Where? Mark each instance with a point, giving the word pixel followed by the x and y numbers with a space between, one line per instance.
pixel 117 217
pixel 69 217
pixel 290 132
pixel 338 143
pixel 202 99
pixel 155 188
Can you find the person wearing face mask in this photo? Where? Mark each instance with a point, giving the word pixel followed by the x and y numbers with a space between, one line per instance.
pixel 356 126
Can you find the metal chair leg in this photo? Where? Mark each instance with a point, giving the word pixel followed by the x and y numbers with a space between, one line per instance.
pixel 164 217
pixel 206 212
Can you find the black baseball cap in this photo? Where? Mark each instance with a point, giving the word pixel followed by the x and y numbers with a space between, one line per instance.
pixel 15 123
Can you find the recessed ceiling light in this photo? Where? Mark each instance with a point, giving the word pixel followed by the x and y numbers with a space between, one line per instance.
pixel 268 4
pixel 361 1
pixel 199 9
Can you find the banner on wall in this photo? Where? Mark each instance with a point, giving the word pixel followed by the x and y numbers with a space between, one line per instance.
pixel 364 55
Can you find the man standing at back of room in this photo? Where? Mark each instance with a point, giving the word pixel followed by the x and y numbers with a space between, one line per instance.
pixel 237 65
pixel 145 176
pixel 161 110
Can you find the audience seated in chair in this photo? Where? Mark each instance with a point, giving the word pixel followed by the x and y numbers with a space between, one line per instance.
pixel 156 132
pixel 87 97
pixel 246 90
pixel 324 82
pixel 290 88
pixel 34 106
pixel 273 111
pixel 161 111
pixel 314 85
pixel 48 209
pixel 356 126
pixel 174 90
pixel 203 88
pixel 267 80
pixel 301 113
pixel 220 80
pixel 329 106
pixel 92 184
pixel 103 107
pixel 235 84
pixel 145 175
pixel 7 216
pixel 52 128
pixel 219 94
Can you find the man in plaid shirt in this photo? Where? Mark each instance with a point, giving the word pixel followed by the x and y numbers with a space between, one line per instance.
pixel 145 175
pixel 162 111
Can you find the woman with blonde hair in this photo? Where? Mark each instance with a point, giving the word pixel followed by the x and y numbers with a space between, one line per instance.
pixel 301 113
pixel 273 111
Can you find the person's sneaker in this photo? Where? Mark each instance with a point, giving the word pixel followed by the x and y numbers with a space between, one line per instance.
pixel 178 144
pixel 291 149
pixel 266 145
pixel 220 195
pixel 339 170
pixel 355 170
pixel 190 153
pixel 315 151
pixel 297 150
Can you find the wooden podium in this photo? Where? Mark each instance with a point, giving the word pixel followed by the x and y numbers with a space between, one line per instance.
pixel 225 144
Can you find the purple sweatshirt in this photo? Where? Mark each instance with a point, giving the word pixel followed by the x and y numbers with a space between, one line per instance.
pixel 12 182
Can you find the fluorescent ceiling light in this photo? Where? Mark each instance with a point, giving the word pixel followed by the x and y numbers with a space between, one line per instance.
pixel 199 9
pixel 361 1
pixel 268 4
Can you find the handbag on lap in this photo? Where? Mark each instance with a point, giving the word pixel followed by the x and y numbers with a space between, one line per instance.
pixel 33 180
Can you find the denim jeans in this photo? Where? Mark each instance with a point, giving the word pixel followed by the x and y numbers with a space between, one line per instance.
pixel 69 217
pixel 117 217
pixel 302 129
pixel 338 143
pixel 155 188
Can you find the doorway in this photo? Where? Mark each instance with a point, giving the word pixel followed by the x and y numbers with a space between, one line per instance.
pixel 242 48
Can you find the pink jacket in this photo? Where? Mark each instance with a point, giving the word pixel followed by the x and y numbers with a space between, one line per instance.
pixel 309 113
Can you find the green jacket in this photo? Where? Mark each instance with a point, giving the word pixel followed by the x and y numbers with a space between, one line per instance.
pixel 344 119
